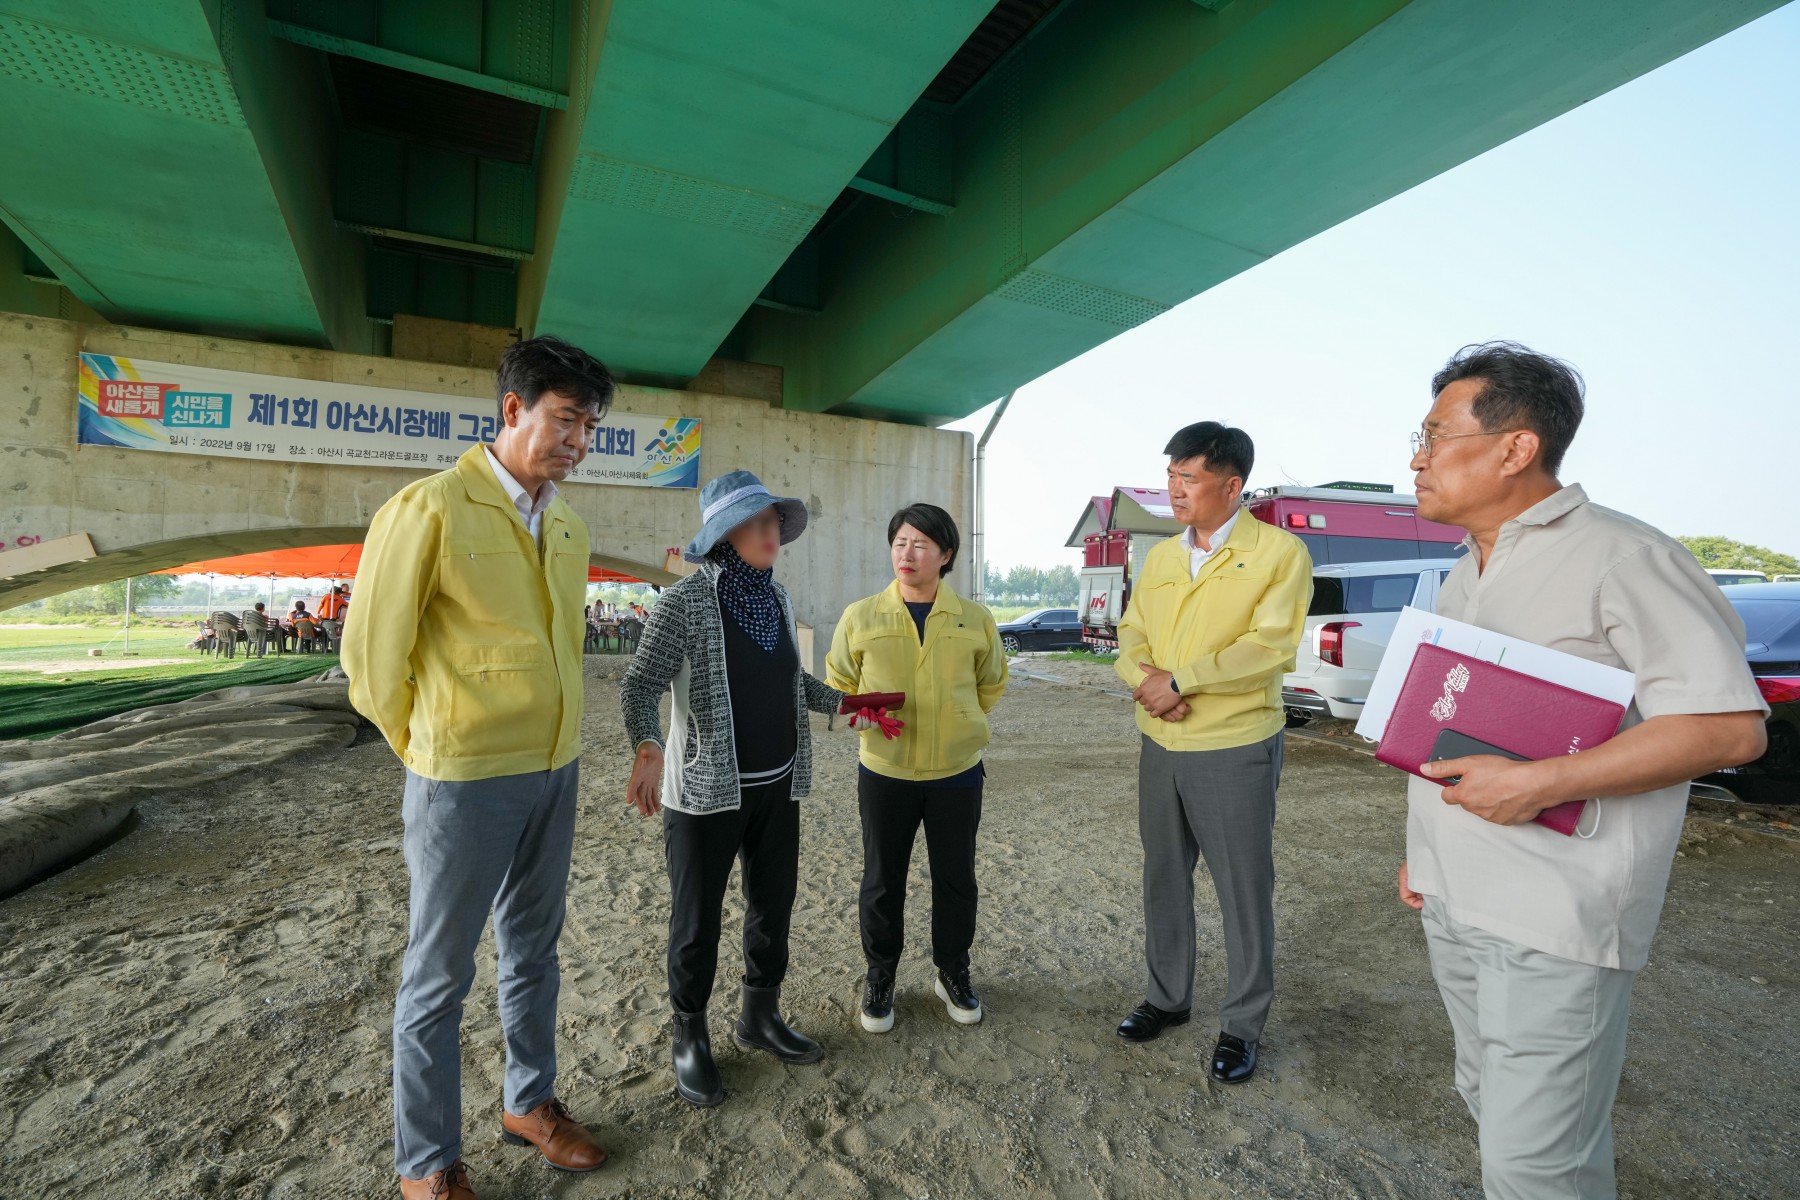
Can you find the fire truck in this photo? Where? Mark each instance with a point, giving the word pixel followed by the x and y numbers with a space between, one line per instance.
pixel 1340 522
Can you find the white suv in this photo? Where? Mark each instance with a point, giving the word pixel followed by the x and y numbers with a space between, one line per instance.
pixel 1354 608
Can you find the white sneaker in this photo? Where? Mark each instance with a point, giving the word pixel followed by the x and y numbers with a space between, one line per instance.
pixel 960 999
pixel 877 1013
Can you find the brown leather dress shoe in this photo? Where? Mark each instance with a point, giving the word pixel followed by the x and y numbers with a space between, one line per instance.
pixel 562 1141
pixel 452 1183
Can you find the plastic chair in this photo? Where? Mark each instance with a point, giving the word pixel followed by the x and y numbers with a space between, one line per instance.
pixel 257 633
pixel 306 633
pixel 226 629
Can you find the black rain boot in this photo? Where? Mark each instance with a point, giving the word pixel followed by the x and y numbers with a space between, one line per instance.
pixel 696 1075
pixel 760 1027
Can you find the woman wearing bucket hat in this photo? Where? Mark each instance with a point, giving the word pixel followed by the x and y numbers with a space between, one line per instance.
pixel 919 637
pixel 738 756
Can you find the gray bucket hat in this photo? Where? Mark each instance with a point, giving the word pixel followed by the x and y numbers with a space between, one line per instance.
pixel 732 499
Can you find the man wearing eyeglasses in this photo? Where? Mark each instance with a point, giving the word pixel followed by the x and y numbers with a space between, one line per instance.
pixel 1536 938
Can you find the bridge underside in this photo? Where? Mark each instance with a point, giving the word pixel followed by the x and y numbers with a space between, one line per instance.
pixel 907 209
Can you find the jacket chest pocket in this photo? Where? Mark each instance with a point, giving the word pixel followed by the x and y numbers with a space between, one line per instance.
pixel 1226 603
pixel 568 567
pixel 1235 584
pixel 473 559
pixel 886 656
pixel 1160 598
pixel 961 649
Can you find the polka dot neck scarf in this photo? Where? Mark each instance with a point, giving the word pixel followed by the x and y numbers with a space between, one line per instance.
pixel 749 596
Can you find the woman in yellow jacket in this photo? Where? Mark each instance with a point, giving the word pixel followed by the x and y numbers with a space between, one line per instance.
pixel 921 638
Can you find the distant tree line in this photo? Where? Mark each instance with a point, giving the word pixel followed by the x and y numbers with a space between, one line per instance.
pixel 1033 585
pixel 108 599
pixel 622 594
pixel 1724 554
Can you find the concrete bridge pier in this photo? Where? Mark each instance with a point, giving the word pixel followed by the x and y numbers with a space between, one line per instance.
pixel 144 511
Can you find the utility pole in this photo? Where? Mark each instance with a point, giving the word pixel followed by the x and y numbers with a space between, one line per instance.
pixel 980 538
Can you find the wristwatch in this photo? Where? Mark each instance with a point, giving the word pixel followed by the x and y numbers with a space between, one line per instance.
pixel 1173 686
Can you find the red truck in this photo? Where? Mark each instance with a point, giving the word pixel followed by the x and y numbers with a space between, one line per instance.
pixel 1341 522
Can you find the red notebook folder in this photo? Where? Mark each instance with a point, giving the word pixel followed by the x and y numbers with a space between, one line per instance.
pixel 1511 711
pixel 872 701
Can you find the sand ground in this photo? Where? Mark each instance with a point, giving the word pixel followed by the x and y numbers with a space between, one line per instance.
pixel 203 1008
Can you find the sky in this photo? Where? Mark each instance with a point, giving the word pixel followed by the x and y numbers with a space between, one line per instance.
pixel 1650 237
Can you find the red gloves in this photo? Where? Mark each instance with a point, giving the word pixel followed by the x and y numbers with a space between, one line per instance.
pixel 870 711
pixel 877 718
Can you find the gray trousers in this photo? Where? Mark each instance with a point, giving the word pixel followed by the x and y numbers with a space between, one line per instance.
pixel 489 844
pixel 1540 1042
pixel 1221 804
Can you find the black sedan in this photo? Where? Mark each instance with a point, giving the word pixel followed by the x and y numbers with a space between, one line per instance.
pixel 1043 629
pixel 1771 613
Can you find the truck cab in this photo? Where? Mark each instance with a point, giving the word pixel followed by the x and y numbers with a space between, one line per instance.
pixel 1342 522
pixel 1348 522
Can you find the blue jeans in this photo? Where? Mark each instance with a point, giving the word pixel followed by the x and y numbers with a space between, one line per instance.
pixel 489 844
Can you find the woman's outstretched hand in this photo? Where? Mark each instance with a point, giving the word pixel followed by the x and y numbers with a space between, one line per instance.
pixel 645 788
pixel 877 718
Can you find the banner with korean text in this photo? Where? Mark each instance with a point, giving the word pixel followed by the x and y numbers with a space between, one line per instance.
pixel 141 405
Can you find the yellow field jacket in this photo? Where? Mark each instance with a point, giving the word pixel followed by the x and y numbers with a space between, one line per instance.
pixel 1228 636
pixel 465 650
pixel 951 682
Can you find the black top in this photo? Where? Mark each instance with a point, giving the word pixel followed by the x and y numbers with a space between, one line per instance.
pixel 919 613
pixel 763 721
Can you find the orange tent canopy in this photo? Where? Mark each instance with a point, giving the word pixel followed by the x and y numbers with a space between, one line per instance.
pixel 318 562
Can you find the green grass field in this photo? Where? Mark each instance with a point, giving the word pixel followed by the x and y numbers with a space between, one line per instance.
pixel 1011 612
pixel 33 704
pixel 22 647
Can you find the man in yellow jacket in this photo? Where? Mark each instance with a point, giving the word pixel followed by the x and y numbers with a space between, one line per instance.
pixel 466 654
pixel 1214 620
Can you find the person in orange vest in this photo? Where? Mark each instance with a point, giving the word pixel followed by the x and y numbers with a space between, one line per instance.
pixel 332 606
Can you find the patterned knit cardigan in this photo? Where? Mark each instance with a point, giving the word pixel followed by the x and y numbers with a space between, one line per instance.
pixel 683 647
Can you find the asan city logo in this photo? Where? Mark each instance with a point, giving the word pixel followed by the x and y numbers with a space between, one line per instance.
pixel 132 398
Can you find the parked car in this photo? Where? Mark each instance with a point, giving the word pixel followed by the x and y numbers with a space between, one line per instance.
pixel 1042 629
pixel 1771 613
pixel 1734 578
pixel 1354 609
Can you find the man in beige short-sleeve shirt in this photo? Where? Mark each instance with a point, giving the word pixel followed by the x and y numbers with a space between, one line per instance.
pixel 1536 937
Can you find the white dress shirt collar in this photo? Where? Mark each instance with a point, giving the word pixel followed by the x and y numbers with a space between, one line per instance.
pixel 530 511
pixel 1197 557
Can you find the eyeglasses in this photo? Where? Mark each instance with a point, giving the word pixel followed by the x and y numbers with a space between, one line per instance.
pixel 1426 442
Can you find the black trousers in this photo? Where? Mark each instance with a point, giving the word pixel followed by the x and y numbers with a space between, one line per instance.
pixel 764 833
pixel 892 811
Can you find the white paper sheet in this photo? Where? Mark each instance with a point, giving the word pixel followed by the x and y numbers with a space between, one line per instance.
pixel 1416 626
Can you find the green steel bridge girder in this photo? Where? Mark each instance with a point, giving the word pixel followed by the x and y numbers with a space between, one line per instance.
pixel 1138 152
pixel 182 164
pixel 716 134
pixel 170 154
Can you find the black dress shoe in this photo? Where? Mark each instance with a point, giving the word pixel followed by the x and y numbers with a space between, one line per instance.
pixel 1147 1022
pixel 1234 1059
